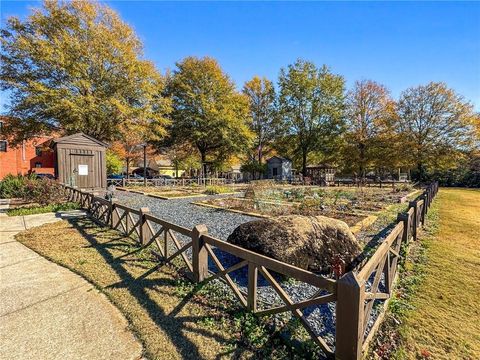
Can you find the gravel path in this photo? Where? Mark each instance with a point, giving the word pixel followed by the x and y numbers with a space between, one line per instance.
pixel 182 212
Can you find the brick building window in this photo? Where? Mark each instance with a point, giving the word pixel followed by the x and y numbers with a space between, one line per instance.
pixel 3 146
pixel 38 164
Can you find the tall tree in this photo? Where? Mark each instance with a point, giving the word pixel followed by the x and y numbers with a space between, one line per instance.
pixel 311 106
pixel 435 123
pixel 76 66
pixel 369 115
pixel 207 110
pixel 262 99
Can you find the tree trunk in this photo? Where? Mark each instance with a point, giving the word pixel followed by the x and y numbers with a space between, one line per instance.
pixel 361 162
pixel 203 172
pixel 420 170
pixel 128 168
pixel 304 163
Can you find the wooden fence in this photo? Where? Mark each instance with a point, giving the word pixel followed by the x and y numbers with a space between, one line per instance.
pixel 170 182
pixel 356 294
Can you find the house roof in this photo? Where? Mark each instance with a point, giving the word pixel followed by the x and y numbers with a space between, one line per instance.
pixel 281 158
pixel 78 135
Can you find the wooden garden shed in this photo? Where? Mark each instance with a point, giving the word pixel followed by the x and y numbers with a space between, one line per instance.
pixel 279 168
pixel 80 161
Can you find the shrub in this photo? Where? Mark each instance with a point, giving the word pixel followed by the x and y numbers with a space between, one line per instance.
pixel 43 191
pixel 217 189
pixel 114 163
pixel 13 186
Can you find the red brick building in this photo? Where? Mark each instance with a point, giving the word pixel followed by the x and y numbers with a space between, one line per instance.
pixel 29 156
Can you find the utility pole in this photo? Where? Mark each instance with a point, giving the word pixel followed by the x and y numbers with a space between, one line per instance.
pixel 144 164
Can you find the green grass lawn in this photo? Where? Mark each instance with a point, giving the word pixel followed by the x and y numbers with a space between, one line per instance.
pixel 438 300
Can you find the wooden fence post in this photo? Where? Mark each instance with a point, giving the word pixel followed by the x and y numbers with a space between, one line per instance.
pixel 404 217
pixel 144 226
pixel 252 287
pixel 415 220
pixel 124 182
pixel 349 317
pixel 114 216
pixel 199 253
pixel 424 208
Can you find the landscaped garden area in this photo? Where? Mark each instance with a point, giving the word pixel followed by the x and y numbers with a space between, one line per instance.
pixel 350 204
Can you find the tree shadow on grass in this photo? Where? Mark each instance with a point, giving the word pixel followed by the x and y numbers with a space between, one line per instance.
pixel 138 287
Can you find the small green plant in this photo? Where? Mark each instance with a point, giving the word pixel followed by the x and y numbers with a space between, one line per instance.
pixel 183 287
pixel 217 189
pixel 253 331
pixel 404 187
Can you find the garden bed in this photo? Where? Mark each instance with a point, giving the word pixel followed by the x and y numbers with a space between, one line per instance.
pixel 352 205
pixel 360 198
pixel 162 193
pixel 178 192
pixel 261 208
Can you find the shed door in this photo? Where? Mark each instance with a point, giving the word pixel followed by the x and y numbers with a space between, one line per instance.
pixel 82 170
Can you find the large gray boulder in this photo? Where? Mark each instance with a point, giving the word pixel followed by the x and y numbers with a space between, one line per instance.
pixel 309 242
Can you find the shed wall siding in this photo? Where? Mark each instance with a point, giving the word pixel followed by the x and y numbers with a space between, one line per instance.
pixel 69 156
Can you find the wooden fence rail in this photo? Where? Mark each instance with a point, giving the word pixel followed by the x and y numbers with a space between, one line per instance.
pixel 357 294
pixel 359 291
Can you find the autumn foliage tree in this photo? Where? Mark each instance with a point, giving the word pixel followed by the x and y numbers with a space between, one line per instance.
pixel 262 101
pixel 311 105
pixel 370 137
pixel 207 110
pixel 436 125
pixel 76 66
pixel 133 135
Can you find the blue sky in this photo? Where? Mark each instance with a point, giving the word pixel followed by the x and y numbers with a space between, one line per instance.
pixel 399 44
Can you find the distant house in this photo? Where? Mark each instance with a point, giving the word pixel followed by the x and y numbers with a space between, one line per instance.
pixel 234 173
pixel 279 168
pixel 30 156
pixel 322 174
pixel 159 165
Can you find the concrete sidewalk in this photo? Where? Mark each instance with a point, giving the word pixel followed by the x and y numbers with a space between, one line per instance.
pixel 48 312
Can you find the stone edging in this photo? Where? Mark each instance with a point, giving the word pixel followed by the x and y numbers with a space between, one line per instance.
pixel 160 196
pixel 364 223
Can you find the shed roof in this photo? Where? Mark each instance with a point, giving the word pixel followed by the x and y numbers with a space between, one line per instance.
pixel 281 158
pixel 76 137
